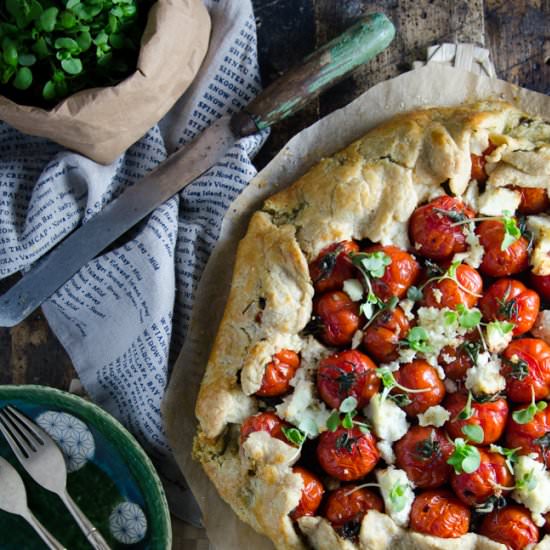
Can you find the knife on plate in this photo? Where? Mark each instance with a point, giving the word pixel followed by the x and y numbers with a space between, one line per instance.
pixel 284 97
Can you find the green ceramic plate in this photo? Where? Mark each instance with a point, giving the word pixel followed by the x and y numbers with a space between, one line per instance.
pixel 110 477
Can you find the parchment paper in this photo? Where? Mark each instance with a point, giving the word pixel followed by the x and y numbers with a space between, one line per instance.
pixel 432 85
pixel 102 123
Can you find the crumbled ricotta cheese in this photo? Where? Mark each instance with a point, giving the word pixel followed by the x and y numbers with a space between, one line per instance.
pixel 437 294
pixel 434 416
pixel 357 339
pixel 304 410
pixel 536 498
pixel 541 329
pixel 388 420
pixel 389 479
pixel 386 451
pixel 406 355
pixel 354 289
pixel 496 339
pixel 495 200
pixel 407 307
pixel 474 255
pixel 485 377
pixel 540 256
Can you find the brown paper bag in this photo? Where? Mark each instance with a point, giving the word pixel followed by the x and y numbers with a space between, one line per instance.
pixel 101 123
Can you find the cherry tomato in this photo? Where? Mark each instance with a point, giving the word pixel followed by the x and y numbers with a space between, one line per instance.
pixel 345 374
pixel 264 422
pixel 497 262
pixel 476 488
pixel 455 361
pixel 490 415
pixel 278 373
pixel 420 375
pixel 526 367
pixel 347 454
pixel 510 300
pixel 440 514
pixel 339 317
pixel 541 283
pixel 530 437
pixel 312 493
pixel 382 336
pixel 423 452
pixel 478 164
pixel 401 274
pixel 432 231
pixel 512 526
pixel 346 507
pixel 333 266
pixel 534 200
pixel 447 293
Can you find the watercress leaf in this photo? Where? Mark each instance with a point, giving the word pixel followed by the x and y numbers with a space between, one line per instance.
pixel 23 78
pixel 474 432
pixel 524 416
pixel 511 232
pixel 417 339
pixel 40 48
pixel 470 318
pixel 333 421
pixel 366 309
pixel 309 427
pixel 27 59
pixel 48 18
pixel 84 40
pixel 49 91
pixel 72 4
pixel 67 20
pixel 471 461
pixel 117 41
pixel 294 435
pixel 450 317
pixel 9 53
pixel 348 405
pixel 467 411
pixel 66 43
pixel 72 65
pixel 414 294
pixel 397 496
pixel 347 421
pixel 374 263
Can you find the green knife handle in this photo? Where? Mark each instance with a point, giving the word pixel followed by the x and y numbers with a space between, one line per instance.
pixel 320 70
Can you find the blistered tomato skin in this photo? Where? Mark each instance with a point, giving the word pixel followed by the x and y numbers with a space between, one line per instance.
pixel 490 415
pixel 346 507
pixel 477 487
pixel 347 374
pixel 347 454
pixel 440 514
pixel 338 316
pixel 541 283
pixel 420 375
pixel 433 233
pixel 512 526
pixel 278 374
pixel 423 452
pixel 447 293
pixel 264 422
pixel 312 494
pixel 455 362
pixel 526 367
pixel 534 200
pixel 381 338
pixel 333 266
pixel 511 300
pixel 399 275
pixel 530 437
pixel 497 262
pixel 478 164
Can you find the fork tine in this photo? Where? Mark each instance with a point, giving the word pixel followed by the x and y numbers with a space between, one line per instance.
pixel 23 422
pixel 19 451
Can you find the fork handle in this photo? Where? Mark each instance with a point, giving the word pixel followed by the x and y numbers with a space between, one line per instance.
pixel 49 540
pixel 95 538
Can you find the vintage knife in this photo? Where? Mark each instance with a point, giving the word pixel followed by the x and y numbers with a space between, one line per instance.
pixel 282 98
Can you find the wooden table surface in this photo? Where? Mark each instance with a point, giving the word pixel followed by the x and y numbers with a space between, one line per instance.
pixel 517 33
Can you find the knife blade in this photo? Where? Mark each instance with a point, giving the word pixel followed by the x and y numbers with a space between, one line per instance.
pixel 322 69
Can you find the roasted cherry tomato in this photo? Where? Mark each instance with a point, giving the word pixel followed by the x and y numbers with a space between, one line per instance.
pixel 347 454
pixel 497 262
pixel 512 526
pixel 541 283
pixel 423 452
pixel 346 507
pixel 526 367
pixel 333 266
pixel 278 374
pixel 400 274
pixel 338 317
pixel 476 488
pixel 345 374
pixel 532 437
pixel 432 230
pixel 534 200
pixel 456 361
pixel 312 494
pixel 440 514
pixel 381 338
pixel 264 422
pixel 420 375
pixel 447 293
pixel 478 164
pixel 510 300
pixel 490 415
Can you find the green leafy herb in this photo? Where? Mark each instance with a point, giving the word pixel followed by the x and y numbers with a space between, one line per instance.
pixel 417 339
pixel 333 421
pixel 398 496
pixel 389 382
pixel 474 432
pixel 465 458
pixel 523 416
pixel 468 318
pixel 348 408
pixel 373 263
pixel 527 482
pixel 348 405
pixel 510 455
pixel 414 294
pixel 467 412
pixel 512 232
pixel 450 274
pixel 294 435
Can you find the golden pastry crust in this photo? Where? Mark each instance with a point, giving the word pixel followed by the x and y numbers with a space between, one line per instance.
pixel 368 190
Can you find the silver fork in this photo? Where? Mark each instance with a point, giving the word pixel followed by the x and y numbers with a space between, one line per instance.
pixel 41 457
pixel 13 499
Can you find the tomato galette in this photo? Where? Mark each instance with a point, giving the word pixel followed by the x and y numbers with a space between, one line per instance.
pixel 381 374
